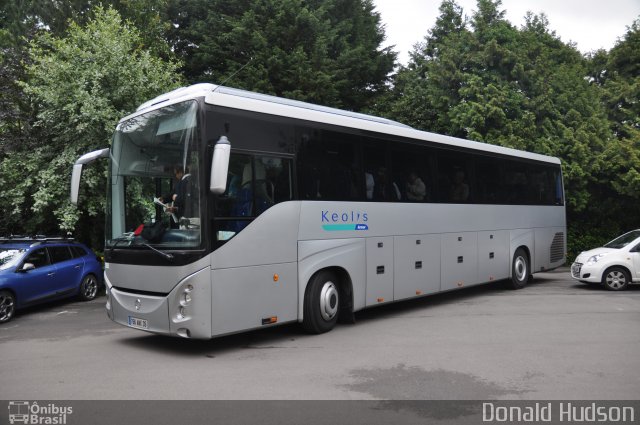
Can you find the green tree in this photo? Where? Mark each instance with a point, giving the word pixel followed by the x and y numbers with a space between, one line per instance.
pixel 523 88
pixel 20 20
pixel 19 17
pixel 16 117
pixel 422 97
pixel 324 51
pixel 81 84
pixel 620 81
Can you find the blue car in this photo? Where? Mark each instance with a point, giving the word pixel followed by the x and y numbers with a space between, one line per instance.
pixel 37 270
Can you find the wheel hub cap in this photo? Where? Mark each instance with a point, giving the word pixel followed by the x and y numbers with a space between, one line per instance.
pixel 520 268
pixel 6 307
pixel 615 279
pixel 328 301
pixel 91 288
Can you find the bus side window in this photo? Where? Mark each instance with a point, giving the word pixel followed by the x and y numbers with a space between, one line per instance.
pixel 557 183
pixel 273 180
pixel 254 184
pixel 328 166
pixel 228 204
pixel 454 178
pixel 411 175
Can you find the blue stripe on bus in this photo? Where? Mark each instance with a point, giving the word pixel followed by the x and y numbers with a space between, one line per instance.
pixel 344 227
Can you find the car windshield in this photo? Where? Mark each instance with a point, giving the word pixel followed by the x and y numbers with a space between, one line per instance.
pixel 9 257
pixel 624 240
pixel 154 195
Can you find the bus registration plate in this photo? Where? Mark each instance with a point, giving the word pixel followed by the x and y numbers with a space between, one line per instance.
pixel 134 322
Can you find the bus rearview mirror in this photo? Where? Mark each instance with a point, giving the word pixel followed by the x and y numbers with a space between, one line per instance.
pixel 220 166
pixel 77 170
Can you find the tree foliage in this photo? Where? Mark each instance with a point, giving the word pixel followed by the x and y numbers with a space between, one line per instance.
pixel 619 78
pixel 486 80
pixel 81 84
pixel 323 51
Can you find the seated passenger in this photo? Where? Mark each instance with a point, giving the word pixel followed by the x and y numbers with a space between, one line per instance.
pixel 416 189
pixel 459 189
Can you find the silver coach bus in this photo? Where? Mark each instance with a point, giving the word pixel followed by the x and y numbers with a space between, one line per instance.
pixel 230 210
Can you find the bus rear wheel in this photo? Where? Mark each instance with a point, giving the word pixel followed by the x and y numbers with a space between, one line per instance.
pixel 519 269
pixel 321 303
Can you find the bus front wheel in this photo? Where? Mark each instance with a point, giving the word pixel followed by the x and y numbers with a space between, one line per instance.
pixel 321 303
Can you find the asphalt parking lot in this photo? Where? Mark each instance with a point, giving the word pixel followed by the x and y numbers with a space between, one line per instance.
pixel 554 339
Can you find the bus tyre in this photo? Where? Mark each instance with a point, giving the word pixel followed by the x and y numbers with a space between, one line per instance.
pixel 615 279
pixel 321 303
pixel 519 269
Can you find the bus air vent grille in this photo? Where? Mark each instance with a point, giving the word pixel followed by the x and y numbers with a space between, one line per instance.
pixel 557 248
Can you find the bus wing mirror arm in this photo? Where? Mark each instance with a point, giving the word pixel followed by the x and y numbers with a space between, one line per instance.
pixel 77 170
pixel 220 166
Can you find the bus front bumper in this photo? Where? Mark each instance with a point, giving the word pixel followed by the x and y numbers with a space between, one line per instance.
pixel 184 312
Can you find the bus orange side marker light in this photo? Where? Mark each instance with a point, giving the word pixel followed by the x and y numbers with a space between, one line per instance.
pixel 380 300
pixel 269 320
pixel 276 277
pixel 418 292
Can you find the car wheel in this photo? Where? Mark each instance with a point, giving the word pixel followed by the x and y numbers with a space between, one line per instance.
pixel 615 279
pixel 321 303
pixel 89 288
pixel 519 269
pixel 7 306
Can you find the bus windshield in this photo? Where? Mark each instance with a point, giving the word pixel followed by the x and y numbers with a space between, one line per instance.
pixel 154 180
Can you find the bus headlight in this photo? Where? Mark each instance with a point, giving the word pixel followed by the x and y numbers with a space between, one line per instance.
pixel 185 297
pixel 107 292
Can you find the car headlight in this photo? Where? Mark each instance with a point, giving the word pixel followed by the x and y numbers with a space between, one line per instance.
pixel 594 259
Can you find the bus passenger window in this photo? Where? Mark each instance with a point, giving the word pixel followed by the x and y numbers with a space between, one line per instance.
pixel 328 166
pixel 380 185
pixel 454 179
pixel 254 184
pixel 277 185
pixel 411 174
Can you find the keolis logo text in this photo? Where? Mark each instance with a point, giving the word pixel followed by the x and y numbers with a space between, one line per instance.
pixel 345 221
pixel 344 217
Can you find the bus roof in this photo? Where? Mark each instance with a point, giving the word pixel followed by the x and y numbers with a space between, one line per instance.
pixel 262 103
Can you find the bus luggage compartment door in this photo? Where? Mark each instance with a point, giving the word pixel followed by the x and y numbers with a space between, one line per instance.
pixel 493 255
pixel 459 260
pixel 417 266
pixel 379 270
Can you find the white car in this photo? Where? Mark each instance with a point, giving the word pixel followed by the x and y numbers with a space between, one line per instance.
pixel 615 265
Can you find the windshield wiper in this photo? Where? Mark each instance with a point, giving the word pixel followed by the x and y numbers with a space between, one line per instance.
pixel 166 255
pixel 116 241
